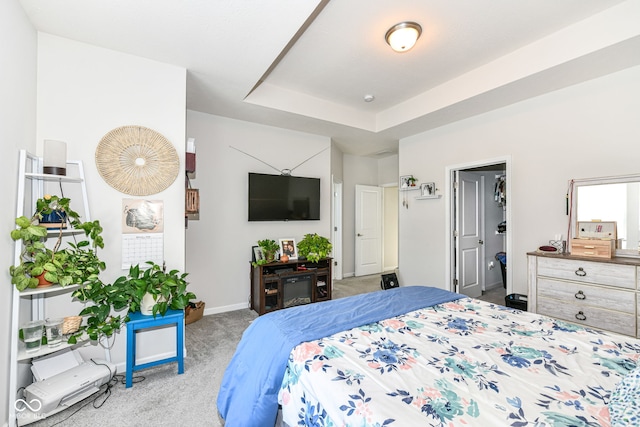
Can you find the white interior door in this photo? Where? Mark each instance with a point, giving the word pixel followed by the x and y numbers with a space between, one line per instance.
pixel 368 229
pixel 470 233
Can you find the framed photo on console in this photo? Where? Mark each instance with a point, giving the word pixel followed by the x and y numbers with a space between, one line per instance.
pixel 288 247
pixel 257 254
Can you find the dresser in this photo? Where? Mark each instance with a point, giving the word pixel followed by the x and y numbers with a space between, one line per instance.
pixel 599 293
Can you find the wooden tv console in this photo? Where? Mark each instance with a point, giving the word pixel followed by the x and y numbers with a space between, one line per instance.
pixel 279 285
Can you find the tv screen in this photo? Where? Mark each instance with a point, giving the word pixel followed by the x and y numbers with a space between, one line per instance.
pixel 283 198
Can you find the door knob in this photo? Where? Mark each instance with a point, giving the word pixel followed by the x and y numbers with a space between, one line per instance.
pixel 359 235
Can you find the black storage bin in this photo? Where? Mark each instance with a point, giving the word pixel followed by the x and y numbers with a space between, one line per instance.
pixel 518 301
pixel 501 257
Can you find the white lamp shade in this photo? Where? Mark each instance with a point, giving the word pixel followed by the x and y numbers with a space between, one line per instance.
pixel 55 157
pixel 403 36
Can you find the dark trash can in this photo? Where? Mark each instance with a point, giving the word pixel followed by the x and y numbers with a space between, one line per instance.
pixel 518 301
pixel 501 257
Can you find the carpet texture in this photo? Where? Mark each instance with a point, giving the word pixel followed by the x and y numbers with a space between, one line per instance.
pixel 167 399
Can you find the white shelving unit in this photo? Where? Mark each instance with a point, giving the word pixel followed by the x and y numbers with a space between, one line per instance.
pixel 30 304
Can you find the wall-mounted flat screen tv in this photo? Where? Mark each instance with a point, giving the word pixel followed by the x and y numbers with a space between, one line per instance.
pixel 283 198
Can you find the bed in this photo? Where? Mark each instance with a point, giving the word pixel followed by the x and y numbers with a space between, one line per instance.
pixel 424 356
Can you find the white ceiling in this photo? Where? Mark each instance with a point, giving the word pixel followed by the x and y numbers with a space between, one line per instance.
pixel 307 64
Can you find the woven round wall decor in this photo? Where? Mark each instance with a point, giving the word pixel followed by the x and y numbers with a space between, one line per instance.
pixel 136 160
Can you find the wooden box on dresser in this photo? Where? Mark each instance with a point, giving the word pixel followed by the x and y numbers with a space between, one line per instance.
pixel 599 293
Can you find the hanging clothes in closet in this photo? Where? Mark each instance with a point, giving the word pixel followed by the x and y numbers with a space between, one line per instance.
pixel 499 190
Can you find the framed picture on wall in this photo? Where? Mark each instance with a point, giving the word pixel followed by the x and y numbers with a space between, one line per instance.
pixel 428 189
pixel 404 182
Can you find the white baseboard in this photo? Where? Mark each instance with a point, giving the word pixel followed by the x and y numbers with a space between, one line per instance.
pixel 225 308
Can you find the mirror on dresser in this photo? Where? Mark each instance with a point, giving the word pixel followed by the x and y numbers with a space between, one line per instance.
pixel 609 199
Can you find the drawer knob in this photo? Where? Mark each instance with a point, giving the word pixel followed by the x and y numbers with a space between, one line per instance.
pixel 580 295
pixel 580 272
pixel 581 316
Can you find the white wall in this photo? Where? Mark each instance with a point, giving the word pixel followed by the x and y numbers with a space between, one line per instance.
pixel 83 93
pixel 581 131
pixel 388 170
pixel 219 243
pixel 18 112
pixel 390 218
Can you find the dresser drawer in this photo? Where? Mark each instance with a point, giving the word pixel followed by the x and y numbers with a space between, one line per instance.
pixel 600 318
pixel 588 295
pixel 603 273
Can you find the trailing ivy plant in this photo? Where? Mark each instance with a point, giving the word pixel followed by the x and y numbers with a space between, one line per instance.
pixel 64 266
pixel 169 290
pixel 314 247
pixel 100 319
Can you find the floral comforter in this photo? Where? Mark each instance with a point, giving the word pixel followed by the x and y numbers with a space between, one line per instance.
pixel 462 363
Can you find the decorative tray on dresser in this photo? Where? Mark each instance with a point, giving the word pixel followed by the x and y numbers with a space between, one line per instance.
pixel 596 292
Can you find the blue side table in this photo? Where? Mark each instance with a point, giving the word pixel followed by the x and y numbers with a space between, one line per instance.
pixel 137 322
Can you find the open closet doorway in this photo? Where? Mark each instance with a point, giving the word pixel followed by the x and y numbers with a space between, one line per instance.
pixel 478 210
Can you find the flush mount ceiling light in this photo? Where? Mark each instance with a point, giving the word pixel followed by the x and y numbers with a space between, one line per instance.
pixel 401 37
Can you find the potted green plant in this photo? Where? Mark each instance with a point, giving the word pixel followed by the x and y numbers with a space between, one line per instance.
pixel 412 181
pixel 41 264
pixel 100 320
pixel 153 286
pixel 154 290
pixel 269 248
pixel 314 247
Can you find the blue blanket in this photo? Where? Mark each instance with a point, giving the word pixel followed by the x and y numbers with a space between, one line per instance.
pixel 249 392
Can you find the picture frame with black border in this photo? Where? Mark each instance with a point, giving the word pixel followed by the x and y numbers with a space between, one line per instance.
pixel 256 254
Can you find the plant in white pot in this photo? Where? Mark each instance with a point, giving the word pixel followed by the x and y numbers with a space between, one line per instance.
pixel 154 290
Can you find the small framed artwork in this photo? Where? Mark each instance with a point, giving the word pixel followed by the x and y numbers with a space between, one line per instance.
pixel 428 189
pixel 404 182
pixel 257 254
pixel 288 247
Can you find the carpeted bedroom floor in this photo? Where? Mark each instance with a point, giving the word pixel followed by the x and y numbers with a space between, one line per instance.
pixel 164 398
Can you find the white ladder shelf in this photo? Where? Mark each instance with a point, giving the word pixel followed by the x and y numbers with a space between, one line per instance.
pixel 32 184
